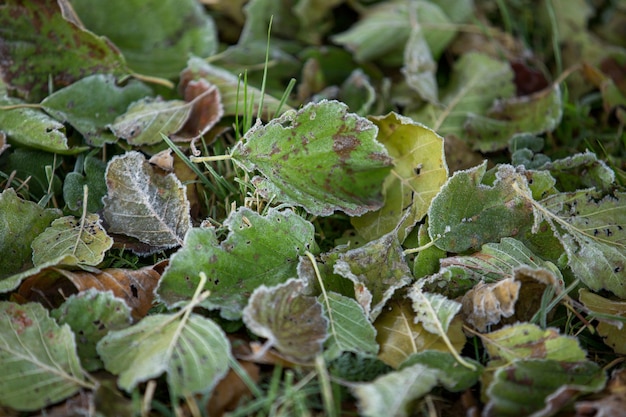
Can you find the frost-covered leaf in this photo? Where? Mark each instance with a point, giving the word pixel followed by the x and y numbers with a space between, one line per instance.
pixel 155 36
pixel 453 377
pixel 258 250
pixel 291 322
pixel 607 311
pixel 20 223
pixel 321 158
pixel 206 108
pixel 541 387
pixel 377 270
pixel 94 178
pixel 349 329
pixel 192 350
pixel 467 213
pixel 37 357
pixel 145 204
pixel 91 315
pixel 419 171
pixel 582 170
pixel 84 238
pixel 393 393
pixel 434 311
pixel 538 113
pixel 399 336
pixel 419 65
pixel 486 304
pixel 145 120
pixel 45 47
pixel 592 229
pixel 92 103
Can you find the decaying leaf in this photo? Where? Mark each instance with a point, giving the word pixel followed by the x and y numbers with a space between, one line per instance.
pixel 206 108
pixel 290 321
pixel 611 316
pixel 485 304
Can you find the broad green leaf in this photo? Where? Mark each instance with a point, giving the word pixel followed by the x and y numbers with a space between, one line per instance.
pixel 419 171
pixel 541 387
pixel 467 213
pixel 259 250
pixel 84 238
pixel 477 80
pixel 582 170
pixel 236 96
pixel 377 270
pixel 32 127
pixel 145 204
pixel 393 393
pixel 419 65
pixel 41 167
pixel 321 158
pixel 349 329
pixel 37 357
pixel 528 341
pixel 147 119
pixel 592 229
pixel 453 377
pixel 427 260
pixel 291 322
pixel 155 36
pixel 20 223
pixel 42 46
pixel 94 178
pixel 608 312
pixel 91 315
pixel 399 336
pixel 538 113
pixel 92 103
pixel 193 351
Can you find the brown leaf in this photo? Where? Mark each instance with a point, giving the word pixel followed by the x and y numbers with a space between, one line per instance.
pixel 486 304
pixel 231 390
pixel 612 402
pixel 206 108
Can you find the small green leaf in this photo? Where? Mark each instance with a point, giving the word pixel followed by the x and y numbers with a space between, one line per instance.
pixel 290 321
pixel 611 315
pixel 91 315
pixel 258 250
pixel 466 213
pixel 193 351
pixel 144 204
pixel 582 170
pixel 94 179
pixel 434 311
pixel 321 158
pixel 92 103
pixel 37 357
pixel 85 239
pixel 453 377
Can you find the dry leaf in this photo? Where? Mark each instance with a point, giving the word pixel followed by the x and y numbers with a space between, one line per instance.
pixel 486 304
pixel 206 109
pixel 229 392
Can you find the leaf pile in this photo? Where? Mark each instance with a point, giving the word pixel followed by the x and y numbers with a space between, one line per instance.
pixel 433 221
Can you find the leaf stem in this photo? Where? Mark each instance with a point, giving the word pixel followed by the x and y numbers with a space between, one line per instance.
pixel 324 293
pixel 198 159
pixel 153 80
pixel 419 248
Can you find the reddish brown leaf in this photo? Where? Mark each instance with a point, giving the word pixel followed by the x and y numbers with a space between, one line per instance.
pixel 231 390
pixel 206 109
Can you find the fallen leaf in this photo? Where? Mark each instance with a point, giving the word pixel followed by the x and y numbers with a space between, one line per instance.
pixel 485 304
pixel 231 390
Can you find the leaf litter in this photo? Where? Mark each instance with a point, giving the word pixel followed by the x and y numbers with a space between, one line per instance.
pixel 344 250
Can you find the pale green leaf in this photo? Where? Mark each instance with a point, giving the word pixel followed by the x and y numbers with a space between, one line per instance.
pixel 21 222
pixel 581 170
pixel 419 171
pixel 434 311
pixel 541 387
pixel 377 270
pixel 467 213
pixel 92 103
pixel 349 330
pixel 144 204
pixel 258 250
pixel 291 322
pixel 453 377
pixel 85 239
pixel 611 315
pixel 419 66
pixel 93 178
pixel 145 120
pixel 91 315
pixel 321 158
pixel 192 351
pixel 37 357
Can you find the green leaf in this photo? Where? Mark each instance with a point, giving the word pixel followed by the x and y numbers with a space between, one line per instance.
pixel 377 270
pixel 611 316
pixel 147 119
pixel 466 213
pixel 37 357
pixel 592 229
pixel 434 311
pixel 144 204
pixel 290 321
pixel 541 387
pixel 20 223
pixel 92 103
pixel 349 330
pixel 419 66
pixel 85 239
pixel 393 393
pixel 155 36
pixel 258 250
pixel 40 166
pixel 41 46
pixel 94 179
pixel 193 351
pixel 582 170
pixel 453 377
pixel 321 158
pixel 91 315
pixel 419 171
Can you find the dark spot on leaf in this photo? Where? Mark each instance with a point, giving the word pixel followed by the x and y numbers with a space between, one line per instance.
pixel 344 145
pixel 133 289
